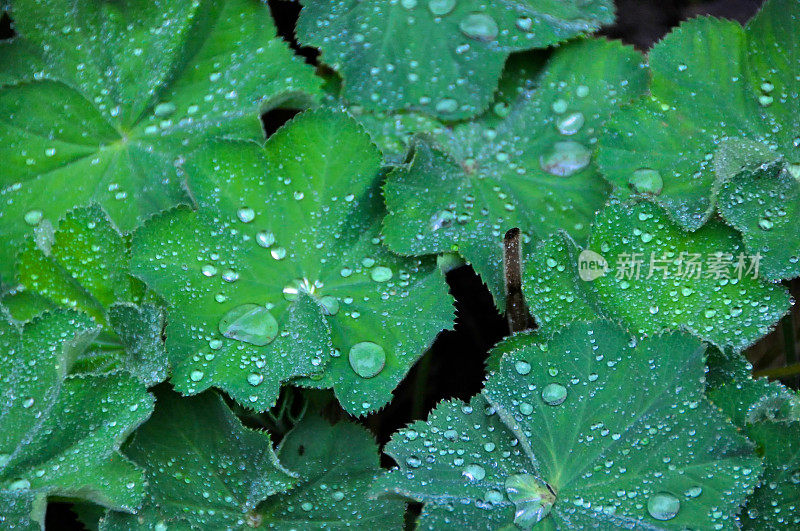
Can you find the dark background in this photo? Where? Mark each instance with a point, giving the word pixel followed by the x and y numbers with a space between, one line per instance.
pixel 454 366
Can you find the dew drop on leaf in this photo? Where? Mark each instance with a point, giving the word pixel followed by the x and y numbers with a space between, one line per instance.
pixel 554 394
pixel 265 239
pixel 255 379
pixel 441 7
pixel 246 214
pixel 381 274
pixel 522 367
pixel 479 26
pixel 249 323
pixel 367 359
pixel 33 217
pixel 196 375
pixel 570 124
pixel 565 159
pixel 663 506
pixel 474 472
pixel 647 181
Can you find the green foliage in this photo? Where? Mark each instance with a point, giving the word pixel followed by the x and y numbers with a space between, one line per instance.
pixel 563 434
pixel 683 132
pixel 441 57
pixel 304 246
pixel 60 434
pixel 526 165
pixel 152 238
pixel 108 97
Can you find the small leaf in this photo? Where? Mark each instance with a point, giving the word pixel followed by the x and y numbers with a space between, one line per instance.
pixel 59 434
pixel 653 276
pixel 682 131
pixel 204 469
pixel 336 465
pixel 530 167
pixel 119 99
pixel 295 224
pixel 84 265
pixel 441 57
pixel 586 430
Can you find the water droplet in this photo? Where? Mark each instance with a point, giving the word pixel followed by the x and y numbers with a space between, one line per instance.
pixel 265 239
pixel 196 375
pixel 693 492
pixel 531 497
pixel 479 26
pixel 493 496
pixel 33 217
pixel 524 23
pixel 249 323
pixel 408 4
pixel 565 159
pixel 522 367
pixel 442 219
pixel 441 7
pixel 663 506
pixel 381 274
pixel 554 394
pixel 246 214
pixel 164 109
pixel 447 106
pixel 278 253
pixel 19 484
pixel 647 181
pixel 474 472
pixel 765 223
pixel 28 403
pixel 293 289
pixel 570 124
pixel 367 359
pixel 330 305
pixel 255 379
pixel 208 270
pixel 559 106
pixel 413 461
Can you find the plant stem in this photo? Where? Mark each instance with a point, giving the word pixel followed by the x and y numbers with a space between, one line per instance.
pixel 780 372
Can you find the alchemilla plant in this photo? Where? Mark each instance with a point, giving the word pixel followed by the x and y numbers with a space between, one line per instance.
pixel 224 267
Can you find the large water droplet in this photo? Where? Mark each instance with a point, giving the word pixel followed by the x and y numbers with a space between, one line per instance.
pixel 246 214
pixel 663 506
pixel 479 26
pixel 33 217
pixel 255 379
pixel 554 394
pixel 196 375
pixel 531 497
pixel 441 7
pixel 367 359
pixel 249 323
pixel 570 124
pixel 565 159
pixel 162 110
pixel 522 367
pixel 646 181
pixel 447 106
pixel 265 239
pixel 330 305
pixel 442 219
pixel 381 274
pixel 474 472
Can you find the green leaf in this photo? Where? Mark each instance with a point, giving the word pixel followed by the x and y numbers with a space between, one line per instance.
pixel 763 205
pixel 769 414
pixel 293 229
pixel 572 439
pixel 681 131
pixel 336 465
pixel 441 57
pixel 774 505
pixel 83 264
pixel 125 90
pixel 204 469
pixel 516 169
pixel 709 287
pixel 59 434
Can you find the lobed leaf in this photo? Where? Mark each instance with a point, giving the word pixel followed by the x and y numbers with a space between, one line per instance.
pixel 291 232
pixel 204 469
pixel 439 57
pixel 59 434
pixel 678 139
pixel 656 277
pixel 587 429
pixel 121 92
